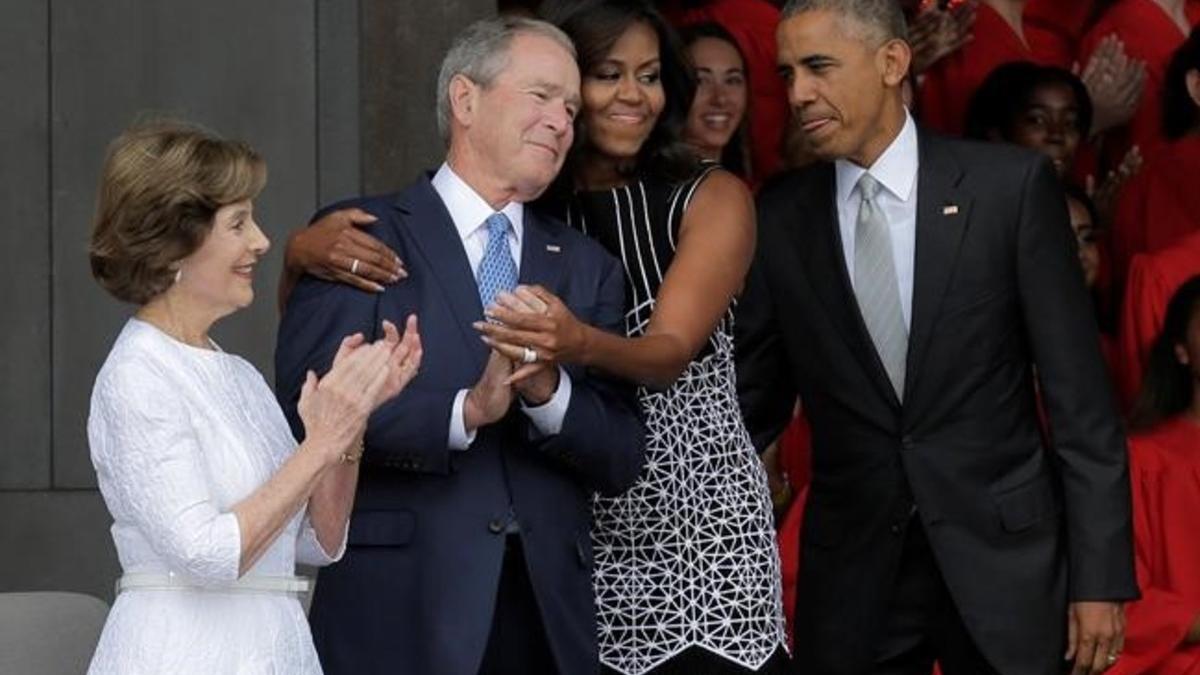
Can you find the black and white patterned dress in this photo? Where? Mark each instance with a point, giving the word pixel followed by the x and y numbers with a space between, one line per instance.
pixel 686 558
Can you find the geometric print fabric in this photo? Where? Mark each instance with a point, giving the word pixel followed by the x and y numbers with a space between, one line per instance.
pixel 687 556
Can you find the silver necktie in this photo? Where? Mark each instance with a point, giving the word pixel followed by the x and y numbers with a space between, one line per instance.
pixel 876 286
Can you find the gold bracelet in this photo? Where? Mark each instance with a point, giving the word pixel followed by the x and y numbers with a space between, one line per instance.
pixel 354 456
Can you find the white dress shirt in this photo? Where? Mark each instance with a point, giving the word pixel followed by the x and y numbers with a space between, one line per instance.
pixel 896 171
pixel 468 211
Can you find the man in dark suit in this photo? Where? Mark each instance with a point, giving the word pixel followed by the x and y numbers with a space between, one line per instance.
pixel 911 289
pixel 469 548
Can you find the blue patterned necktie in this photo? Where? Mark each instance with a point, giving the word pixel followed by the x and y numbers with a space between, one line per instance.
pixel 497 271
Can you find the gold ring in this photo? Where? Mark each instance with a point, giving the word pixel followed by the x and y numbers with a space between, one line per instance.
pixel 354 266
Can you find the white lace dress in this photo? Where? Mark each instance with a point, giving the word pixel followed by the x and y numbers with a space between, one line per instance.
pixel 179 435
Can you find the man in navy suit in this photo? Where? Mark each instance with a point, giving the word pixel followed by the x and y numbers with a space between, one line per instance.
pixel 469 547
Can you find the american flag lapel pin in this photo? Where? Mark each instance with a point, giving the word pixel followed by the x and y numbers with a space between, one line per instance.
pixel 950 210
pixel 554 248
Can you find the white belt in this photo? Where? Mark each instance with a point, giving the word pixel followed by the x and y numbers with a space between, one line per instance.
pixel 166 581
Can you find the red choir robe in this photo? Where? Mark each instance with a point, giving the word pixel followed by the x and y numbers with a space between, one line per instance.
pixel 1158 207
pixel 794 458
pixel 1153 279
pixel 1053 29
pixel 1164 466
pixel 946 88
pixel 752 23
pixel 1151 36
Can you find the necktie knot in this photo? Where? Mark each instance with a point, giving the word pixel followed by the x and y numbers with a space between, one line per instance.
pixel 868 187
pixel 498 225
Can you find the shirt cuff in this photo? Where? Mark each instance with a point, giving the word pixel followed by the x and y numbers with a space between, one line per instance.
pixel 548 417
pixel 459 438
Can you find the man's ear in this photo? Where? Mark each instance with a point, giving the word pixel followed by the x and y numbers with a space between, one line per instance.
pixel 1192 79
pixel 894 59
pixel 464 99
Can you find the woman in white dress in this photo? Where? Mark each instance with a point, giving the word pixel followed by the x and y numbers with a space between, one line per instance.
pixel 213 502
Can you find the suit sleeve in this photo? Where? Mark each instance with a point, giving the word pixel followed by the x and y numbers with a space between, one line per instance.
pixel 1088 440
pixel 765 390
pixel 409 432
pixel 602 439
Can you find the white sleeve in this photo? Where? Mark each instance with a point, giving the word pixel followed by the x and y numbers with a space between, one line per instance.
pixel 309 550
pixel 147 459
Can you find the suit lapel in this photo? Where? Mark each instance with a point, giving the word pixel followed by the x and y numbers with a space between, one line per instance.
pixel 437 239
pixel 541 254
pixel 942 220
pixel 825 264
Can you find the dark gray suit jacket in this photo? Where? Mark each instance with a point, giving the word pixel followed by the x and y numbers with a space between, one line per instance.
pixel 1018 528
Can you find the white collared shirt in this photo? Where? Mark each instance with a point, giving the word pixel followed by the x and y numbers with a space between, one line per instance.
pixel 468 211
pixel 896 170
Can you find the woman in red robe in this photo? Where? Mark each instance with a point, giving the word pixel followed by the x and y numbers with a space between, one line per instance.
pixel 947 86
pixel 752 23
pixel 1161 205
pixel 1151 31
pixel 1053 29
pixel 1153 279
pixel 1162 633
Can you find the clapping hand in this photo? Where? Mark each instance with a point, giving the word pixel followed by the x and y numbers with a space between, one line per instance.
pixel 1114 82
pixel 1105 195
pixel 532 327
pixel 935 34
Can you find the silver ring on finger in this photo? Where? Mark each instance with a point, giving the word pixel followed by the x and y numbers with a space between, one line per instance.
pixel 1112 658
pixel 528 356
pixel 354 266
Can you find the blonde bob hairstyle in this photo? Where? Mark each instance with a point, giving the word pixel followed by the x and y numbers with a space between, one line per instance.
pixel 161 186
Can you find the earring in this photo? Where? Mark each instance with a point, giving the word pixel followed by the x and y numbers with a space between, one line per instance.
pixel 178 274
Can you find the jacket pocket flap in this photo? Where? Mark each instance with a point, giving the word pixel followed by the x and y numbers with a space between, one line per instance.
pixel 381 528
pixel 1025 505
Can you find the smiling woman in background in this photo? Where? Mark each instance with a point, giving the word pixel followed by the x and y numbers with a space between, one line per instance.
pixel 716 124
pixel 213 502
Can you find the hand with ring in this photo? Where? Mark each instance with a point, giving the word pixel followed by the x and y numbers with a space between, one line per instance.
pixel 1095 636
pixel 533 318
pixel 536 377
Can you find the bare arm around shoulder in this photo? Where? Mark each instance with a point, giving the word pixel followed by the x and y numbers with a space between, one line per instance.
pixel 716 244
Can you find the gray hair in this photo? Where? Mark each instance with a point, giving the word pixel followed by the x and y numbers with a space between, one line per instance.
pixel 480 53
pixel 883 20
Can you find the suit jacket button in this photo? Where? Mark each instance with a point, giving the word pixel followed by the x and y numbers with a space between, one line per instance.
pixel 496 526
pixel 897 528
pixel 907 442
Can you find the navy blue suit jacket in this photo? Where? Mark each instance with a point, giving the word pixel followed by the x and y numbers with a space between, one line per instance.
pixel 416 589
